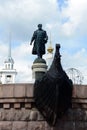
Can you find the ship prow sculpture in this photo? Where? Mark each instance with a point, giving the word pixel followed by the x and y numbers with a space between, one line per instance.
pixel 53 92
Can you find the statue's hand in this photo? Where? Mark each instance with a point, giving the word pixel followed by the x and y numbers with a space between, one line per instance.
pixel 30 43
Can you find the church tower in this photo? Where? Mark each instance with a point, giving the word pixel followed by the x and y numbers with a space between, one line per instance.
pixel 50 53
pixel 8 73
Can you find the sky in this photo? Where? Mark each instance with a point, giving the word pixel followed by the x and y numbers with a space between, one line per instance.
pixel 65 19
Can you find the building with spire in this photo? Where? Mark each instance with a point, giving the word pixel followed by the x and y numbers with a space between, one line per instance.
pixel 8 73
pixel 49 53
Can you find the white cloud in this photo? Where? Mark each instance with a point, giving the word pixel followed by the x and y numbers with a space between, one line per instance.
pixel 76 14
pixel 23 62
pixel 22 16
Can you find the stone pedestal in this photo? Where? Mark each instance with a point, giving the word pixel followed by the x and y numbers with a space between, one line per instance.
pixel 39 68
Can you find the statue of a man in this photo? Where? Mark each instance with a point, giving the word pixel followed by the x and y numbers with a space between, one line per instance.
pixel 40 39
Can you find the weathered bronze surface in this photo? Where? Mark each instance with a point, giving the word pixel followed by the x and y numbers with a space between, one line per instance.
pixel 40 39
pixel 53 92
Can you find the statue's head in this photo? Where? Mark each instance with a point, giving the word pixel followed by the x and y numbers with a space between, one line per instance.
pixel 39 26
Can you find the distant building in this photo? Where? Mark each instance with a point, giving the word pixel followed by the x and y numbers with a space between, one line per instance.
pixel 49 54
pixel 8 73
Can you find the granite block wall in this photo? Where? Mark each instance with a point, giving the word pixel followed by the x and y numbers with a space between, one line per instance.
pixel 18 112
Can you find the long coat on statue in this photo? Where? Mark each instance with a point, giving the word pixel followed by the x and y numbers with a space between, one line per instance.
pixel 40 38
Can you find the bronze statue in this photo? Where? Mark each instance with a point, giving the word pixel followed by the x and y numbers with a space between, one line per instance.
pixel 40 39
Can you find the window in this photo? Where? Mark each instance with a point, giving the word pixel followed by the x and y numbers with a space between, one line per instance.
pixel 8 78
